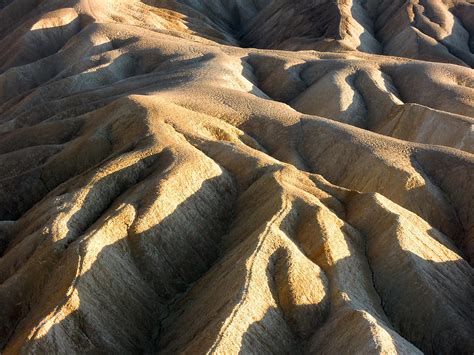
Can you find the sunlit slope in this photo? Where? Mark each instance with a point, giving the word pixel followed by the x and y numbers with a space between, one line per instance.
pixel 171 183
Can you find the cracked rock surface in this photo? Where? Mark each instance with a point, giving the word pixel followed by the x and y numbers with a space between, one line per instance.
pixel 237 176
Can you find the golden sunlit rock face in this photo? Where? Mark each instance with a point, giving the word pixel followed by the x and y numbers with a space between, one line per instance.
pixel 237 176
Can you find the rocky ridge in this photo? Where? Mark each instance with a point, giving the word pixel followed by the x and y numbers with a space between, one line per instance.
pixel 236 176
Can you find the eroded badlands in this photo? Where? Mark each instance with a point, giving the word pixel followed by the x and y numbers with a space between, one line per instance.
pixel 237 176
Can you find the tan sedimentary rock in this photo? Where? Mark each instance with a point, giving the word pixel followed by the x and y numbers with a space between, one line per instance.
pixel 172 183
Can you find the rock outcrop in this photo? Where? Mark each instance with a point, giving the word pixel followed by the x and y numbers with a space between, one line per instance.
pixel 185 176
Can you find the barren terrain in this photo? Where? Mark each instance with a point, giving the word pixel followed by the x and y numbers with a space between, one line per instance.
pixel 237 176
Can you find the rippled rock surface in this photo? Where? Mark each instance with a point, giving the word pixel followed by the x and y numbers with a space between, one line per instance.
pixel 237 176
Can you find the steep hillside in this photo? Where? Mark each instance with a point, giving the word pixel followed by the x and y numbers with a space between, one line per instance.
pixel 237 176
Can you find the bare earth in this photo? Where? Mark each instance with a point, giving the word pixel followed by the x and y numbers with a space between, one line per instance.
pixel 237 176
